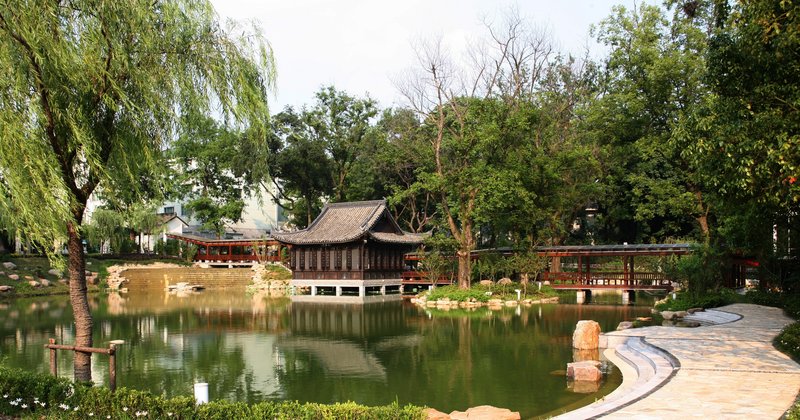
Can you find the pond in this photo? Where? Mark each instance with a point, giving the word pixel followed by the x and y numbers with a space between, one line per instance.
pixel 252 348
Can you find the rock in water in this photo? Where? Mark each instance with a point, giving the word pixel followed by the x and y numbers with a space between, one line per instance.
pixel 624 325
pixel 584 371
pixel 586 336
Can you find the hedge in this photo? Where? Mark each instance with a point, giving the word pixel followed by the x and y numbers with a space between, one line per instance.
pixel 35 395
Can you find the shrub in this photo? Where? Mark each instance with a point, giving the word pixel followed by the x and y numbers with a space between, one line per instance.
pixel 460 295
pixel 788 341
pixel 790 302
pixel 684 301
pixel 25 394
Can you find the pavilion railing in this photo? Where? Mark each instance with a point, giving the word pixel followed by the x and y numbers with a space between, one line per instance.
pixel 606 278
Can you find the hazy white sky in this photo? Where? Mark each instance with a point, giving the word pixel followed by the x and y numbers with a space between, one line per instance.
pixel 360 45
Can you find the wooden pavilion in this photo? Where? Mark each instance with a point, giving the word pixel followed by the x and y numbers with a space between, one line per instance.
pixel 353 248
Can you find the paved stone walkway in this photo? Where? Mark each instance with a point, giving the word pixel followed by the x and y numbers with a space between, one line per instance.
pixel 726 371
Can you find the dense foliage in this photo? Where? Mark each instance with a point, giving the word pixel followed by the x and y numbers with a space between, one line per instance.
pixel 37 395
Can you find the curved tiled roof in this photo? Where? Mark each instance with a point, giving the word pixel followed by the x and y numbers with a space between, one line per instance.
pixel 346 222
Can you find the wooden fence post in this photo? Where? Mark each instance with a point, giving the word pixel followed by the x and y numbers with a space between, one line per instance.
pixel 112 367
pixel 53 359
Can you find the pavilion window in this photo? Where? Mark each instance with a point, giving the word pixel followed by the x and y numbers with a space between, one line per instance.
pixel 349 256
pixel 318 254
pixel 323 255
pixel 338 259
pixel 356 254
pixel 302 254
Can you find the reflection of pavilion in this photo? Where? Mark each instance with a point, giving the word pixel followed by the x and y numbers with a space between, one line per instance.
pixel 356 321
pixel 336 356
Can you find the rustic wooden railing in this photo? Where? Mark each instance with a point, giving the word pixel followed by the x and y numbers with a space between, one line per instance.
pixel 110 351
pixel 421 277
pixel 235 258
pixel 605 278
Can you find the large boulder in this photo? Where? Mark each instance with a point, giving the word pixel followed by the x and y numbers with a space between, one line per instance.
pixel 584 371
pixel 44 282
pixel 34 283
pixel 505 281
pixel 586 335
pixel 668 315
pixel 13 276
pixel 54 272
pixel 434 414
pixel 485 412
pixel 9 265
pixel 6 289
pixel 693 310
pixel 487 283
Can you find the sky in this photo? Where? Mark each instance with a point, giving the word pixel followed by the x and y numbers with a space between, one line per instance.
pixel 361 46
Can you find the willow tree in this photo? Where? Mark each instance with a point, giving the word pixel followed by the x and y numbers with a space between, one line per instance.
pixel 92 89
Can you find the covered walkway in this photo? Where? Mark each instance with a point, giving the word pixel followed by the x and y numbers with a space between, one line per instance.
pixel 582 274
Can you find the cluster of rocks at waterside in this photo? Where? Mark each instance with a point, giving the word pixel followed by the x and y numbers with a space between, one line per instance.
pixel 264 281
pixel 37 281
pixel 493 304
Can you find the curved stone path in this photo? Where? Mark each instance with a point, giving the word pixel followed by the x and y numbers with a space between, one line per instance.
pixel 727 369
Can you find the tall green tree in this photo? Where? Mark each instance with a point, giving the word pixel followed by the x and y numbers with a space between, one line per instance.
pixel 498 157
pixel 208 177
pixel 653 78
pixel 301 168
pixel 342 122
pixel 93 89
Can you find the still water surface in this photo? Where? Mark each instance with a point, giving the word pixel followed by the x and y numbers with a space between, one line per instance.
pixel 252 348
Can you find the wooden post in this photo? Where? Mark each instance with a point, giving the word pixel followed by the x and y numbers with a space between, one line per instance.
pixel 53 359
pixel 625 270
pixel 633 275
pixel 112 367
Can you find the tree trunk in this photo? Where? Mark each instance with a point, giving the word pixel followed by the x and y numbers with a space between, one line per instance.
pixel 80 303
pixel 464 269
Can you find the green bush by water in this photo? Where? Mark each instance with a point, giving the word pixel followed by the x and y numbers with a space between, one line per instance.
pixel 685 301
pixel 34 395
pixel 483 293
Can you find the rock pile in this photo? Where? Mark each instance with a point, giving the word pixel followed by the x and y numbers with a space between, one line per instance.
pixel 263 281
pixel 493 304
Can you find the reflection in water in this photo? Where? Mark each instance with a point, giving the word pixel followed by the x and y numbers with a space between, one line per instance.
pixel 337 358
pixel 251 348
